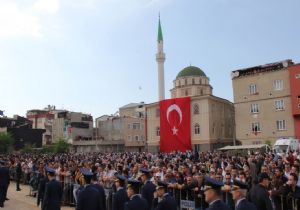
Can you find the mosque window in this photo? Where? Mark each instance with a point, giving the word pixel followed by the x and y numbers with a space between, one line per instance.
pixel 186 93
pixel 157 112
pixel 196 109
pixel 157 131
pixel 193 81
pixel 197 128
pixel 200 81
pixel 185 81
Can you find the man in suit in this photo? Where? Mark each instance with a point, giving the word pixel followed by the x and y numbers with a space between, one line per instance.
pixel 136 202
pixel 4 181
pixel 239 192
pixel 43 180
pixel 89 197
pixel 259 194
pixel 53 192
pixel 163 200
pixel 120 197
pixel 148 188
pixel 18 174
pixel 212 191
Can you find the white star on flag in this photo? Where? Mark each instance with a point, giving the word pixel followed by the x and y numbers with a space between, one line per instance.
pixel 175 130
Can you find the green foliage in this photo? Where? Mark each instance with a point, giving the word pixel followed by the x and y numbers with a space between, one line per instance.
pixel 6 142
pixel 28 148
pixel 48 149
pixel 268 142
pixel 61 146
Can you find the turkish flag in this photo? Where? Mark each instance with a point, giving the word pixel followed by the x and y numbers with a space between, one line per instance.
pixel 175 125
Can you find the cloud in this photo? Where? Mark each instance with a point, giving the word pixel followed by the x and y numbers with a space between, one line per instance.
pixel 15 22
pixel 47 6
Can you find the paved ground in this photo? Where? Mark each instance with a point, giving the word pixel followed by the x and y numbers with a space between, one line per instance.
pixel 21 201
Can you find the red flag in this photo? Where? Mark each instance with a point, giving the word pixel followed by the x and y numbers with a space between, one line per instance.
pixel 175 125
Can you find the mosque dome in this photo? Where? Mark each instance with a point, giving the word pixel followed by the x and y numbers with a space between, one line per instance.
pixel 190 71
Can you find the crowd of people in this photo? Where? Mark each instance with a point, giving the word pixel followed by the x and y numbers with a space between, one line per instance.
pixel 204 180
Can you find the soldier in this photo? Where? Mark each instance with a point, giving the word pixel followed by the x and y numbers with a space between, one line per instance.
pixel 136 202
pixel 4 181
pixel 259 194
pixel 120 197
pixel 99 187
pixel 43 180
pixel 148 188
pixel 239 192
pixel 89 196
pixel 212 191
pixel 18 174
pixel 163 200
pixel 53 192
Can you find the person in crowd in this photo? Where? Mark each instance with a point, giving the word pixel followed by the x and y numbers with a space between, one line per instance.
pixel 120 197
pixel 292 192
pixel 239 192
pixel 53 192
pixel 136 202
pixel 18 174
pixel 99 187
pixel 162 200
pixel 89 198
pixel 213 193
pixel 259 194
pixel 4 181
pixel 148 187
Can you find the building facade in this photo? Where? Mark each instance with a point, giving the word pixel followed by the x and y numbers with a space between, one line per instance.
pixel 212 118
pixel 263 102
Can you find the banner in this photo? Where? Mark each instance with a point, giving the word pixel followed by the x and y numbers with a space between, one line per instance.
pixel 175 125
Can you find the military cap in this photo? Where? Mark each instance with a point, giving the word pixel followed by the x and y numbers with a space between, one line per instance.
pixel 134 184
pixel 145 171
pixel 120 178
pixel 212 184
pixel 161 184
pixel 86 172
pixel 49 170
pixel 239 185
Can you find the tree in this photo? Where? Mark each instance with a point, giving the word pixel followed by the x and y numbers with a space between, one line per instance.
pixel 61 146
pixel 28 148
pixel 6 142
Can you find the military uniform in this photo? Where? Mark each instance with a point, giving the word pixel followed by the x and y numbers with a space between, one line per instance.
pixel 89 197
pixel 4 181
pixel 167 202
pixel 136 202
pixel 242 203
pixel 217 204
pixel 120 197
pixel 148 189
pixel 41 189
pixel 53 193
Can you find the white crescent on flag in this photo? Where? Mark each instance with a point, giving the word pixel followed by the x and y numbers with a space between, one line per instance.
pixel 177 109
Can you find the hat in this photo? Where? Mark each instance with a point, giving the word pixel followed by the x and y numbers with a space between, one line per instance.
pixel 239 185
pixel 263 176
pixel 86 172
pixel 120 178
pixel 161 184
pixel 212 184
pixel 134 184
pixel 50 171
pixel 145 171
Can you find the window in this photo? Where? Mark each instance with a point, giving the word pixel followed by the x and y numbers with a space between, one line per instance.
pixel 196 109
pixel 136 126
pixel 129 138
pixel 279 104
pixel 136 138
pixel 252 89
pixel 129 126
pixel 197 129
pixel 256 127
pixel 193 81
pixel 157 112
pixel 254 108
pixel 142 138
pixel 278 84
pixel 280 124
pixel 157 131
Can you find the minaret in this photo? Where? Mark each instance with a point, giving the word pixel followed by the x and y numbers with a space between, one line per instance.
pixel 160 59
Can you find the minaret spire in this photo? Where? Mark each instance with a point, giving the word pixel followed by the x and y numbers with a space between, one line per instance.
pixel 160 59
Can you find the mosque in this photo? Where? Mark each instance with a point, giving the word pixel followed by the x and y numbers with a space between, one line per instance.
pixel 212 117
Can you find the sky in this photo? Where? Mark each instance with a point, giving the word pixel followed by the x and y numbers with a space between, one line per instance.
pixel 94 56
